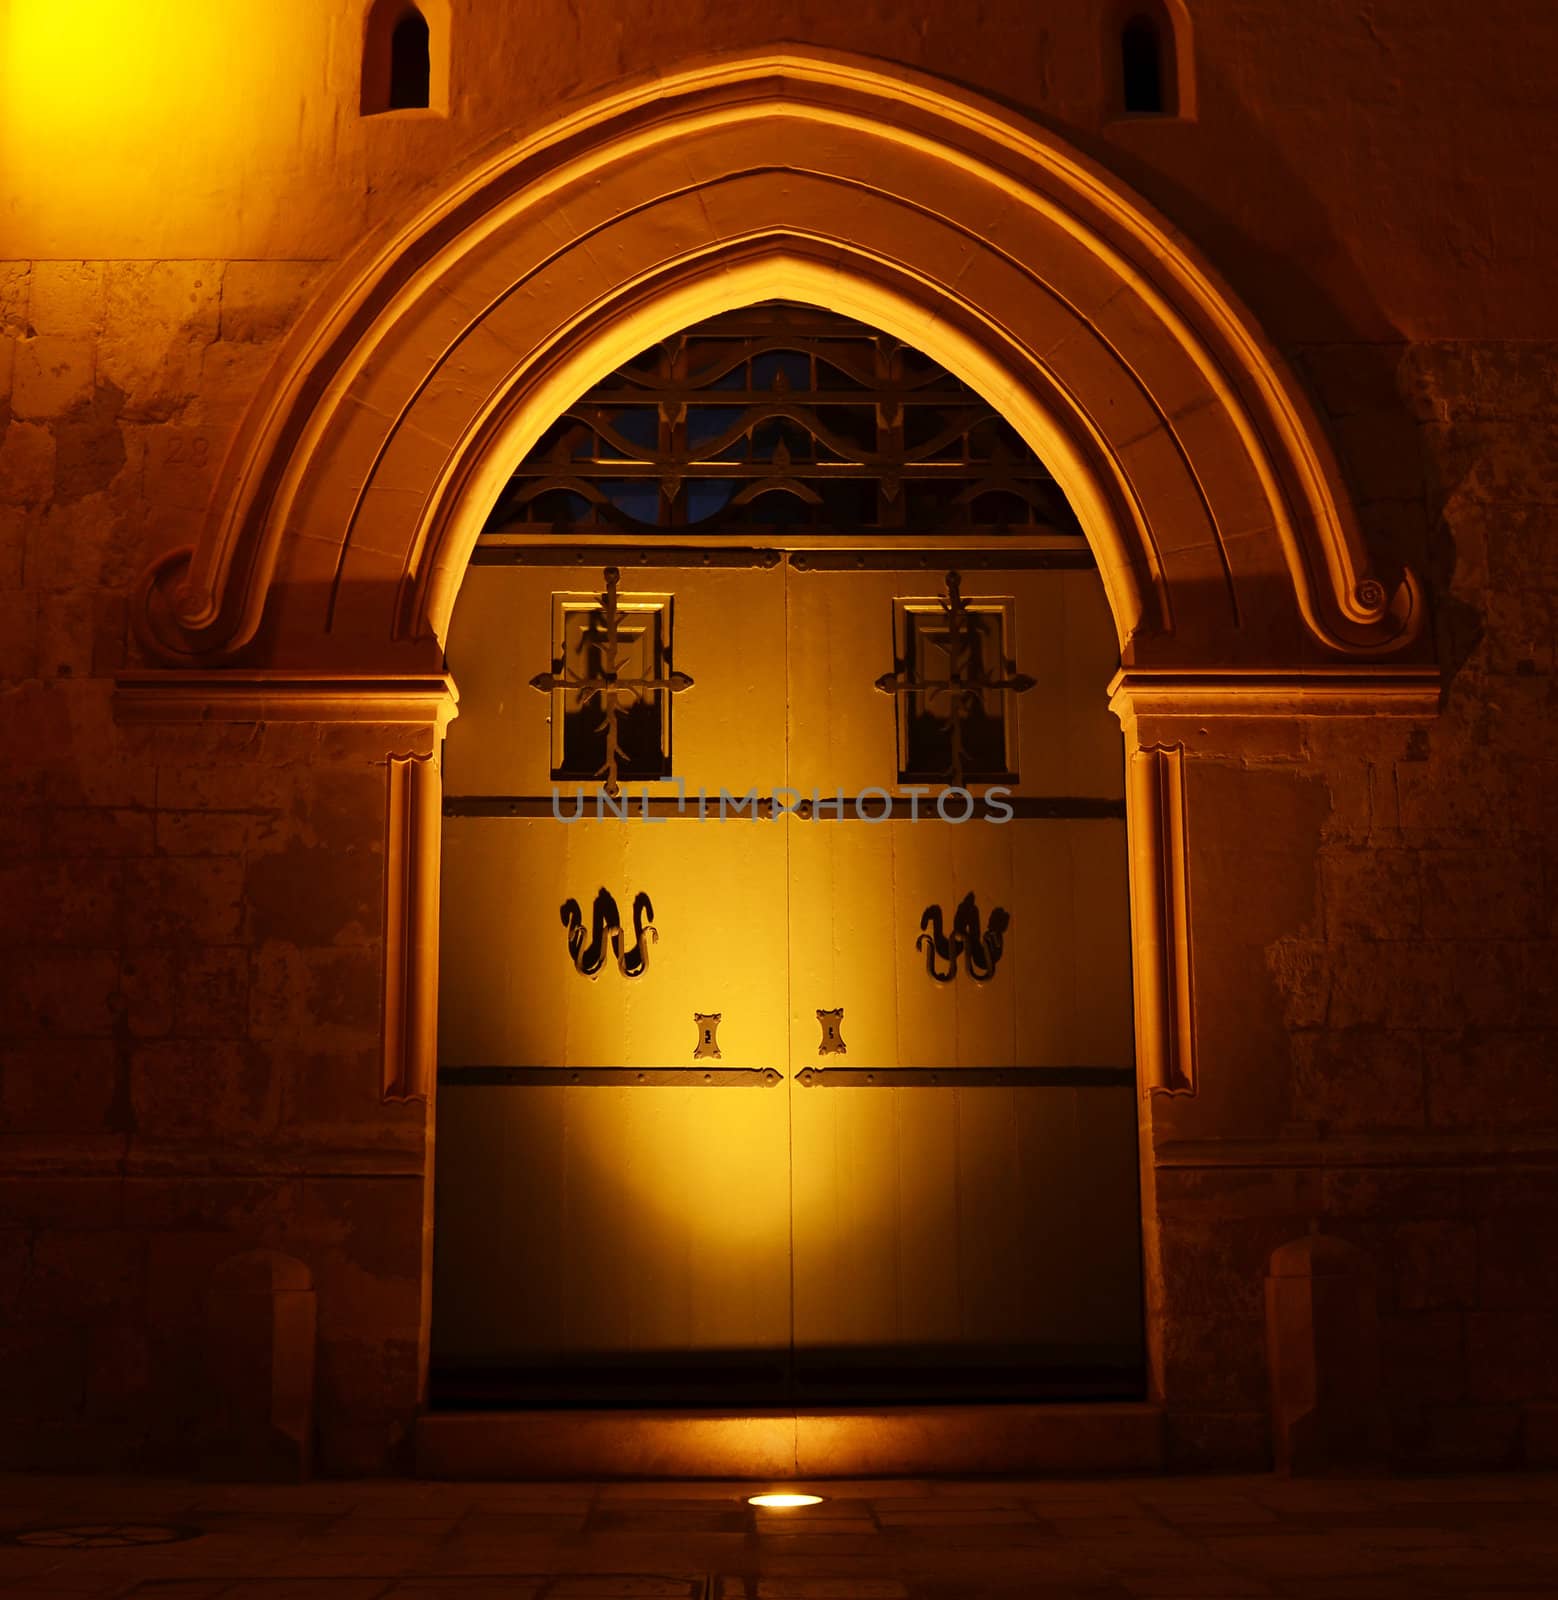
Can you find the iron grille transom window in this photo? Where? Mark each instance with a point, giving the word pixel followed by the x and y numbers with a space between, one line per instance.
pixel 781 419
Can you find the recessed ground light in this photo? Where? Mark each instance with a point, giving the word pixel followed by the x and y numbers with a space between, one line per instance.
pixel 775 1502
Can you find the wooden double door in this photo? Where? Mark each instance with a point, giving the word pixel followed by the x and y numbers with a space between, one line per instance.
pixel 766 1100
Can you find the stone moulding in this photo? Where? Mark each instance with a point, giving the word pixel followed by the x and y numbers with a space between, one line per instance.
pixel 416 707
pixel 231 694
pixel 411 874
pixel 353 494
pixel 1160 912
pixel 1390 691
pixel 1152 707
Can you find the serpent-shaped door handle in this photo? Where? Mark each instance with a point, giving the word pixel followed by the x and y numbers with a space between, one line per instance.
pixel 980 952
pixel 587 949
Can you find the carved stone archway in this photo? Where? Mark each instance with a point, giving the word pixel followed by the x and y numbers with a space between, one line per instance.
pixel 322 585
pixel 353 494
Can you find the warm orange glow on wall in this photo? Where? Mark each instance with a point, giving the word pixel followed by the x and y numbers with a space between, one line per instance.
pixel 158 128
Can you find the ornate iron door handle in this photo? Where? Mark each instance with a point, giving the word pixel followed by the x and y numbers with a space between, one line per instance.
pixel 587 949
pixel 980 952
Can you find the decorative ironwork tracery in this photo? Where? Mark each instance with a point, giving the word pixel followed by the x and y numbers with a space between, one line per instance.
pixel 781 418
pixel 954 707
pixel 604 681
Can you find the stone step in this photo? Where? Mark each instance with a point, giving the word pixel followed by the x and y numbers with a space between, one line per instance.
pixel 899 1441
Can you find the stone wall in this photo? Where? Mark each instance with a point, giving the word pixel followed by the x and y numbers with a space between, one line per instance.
pixel 190 1005
pixel 190 1062
pixel 1376 986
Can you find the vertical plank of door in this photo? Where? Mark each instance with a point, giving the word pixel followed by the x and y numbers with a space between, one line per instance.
pixel 927 1119
pixel 500 637
pixel 817 1198
pixel 875 1241
pixel 843 730
pixel 1094 759
pixel 500 1189
pixel 978 859
pixel 1104 1023
pixel 598 1222
pixel 496 1145
pixel 1108 1275
pixel 469 1253
pixel 975 858
pixel 721 1160
pixel 497 1224
pixel 524 1218
pixel 820 1191
pixel 927 1010
pixel 1068 743
pixel 602 1223
pixel 1043 953
pixel 729 728
pixel 1082 1256
pixel 500 937
pixel 1055 1189
pixel 989 1215
pixel 844 1154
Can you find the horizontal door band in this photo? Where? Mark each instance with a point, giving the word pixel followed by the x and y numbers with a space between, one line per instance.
pixel 614 1077
pixel 966 1077
pixel 577 555
pixel 907 559
pixel 1048 808
pixel 807 1077
pixel 937 561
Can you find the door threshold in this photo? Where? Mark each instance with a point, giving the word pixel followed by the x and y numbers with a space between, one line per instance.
pixel 851 1442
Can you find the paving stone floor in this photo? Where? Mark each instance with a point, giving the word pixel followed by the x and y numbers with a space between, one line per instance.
pixel 993 1539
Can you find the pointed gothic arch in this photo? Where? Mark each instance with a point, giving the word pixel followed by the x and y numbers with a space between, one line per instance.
pixel 353 493
pixel 322 585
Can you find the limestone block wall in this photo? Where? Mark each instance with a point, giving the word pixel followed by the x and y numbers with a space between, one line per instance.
pixel 1374 976
pixel 191 1066
pixel 190 1028
pixel 190 1058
